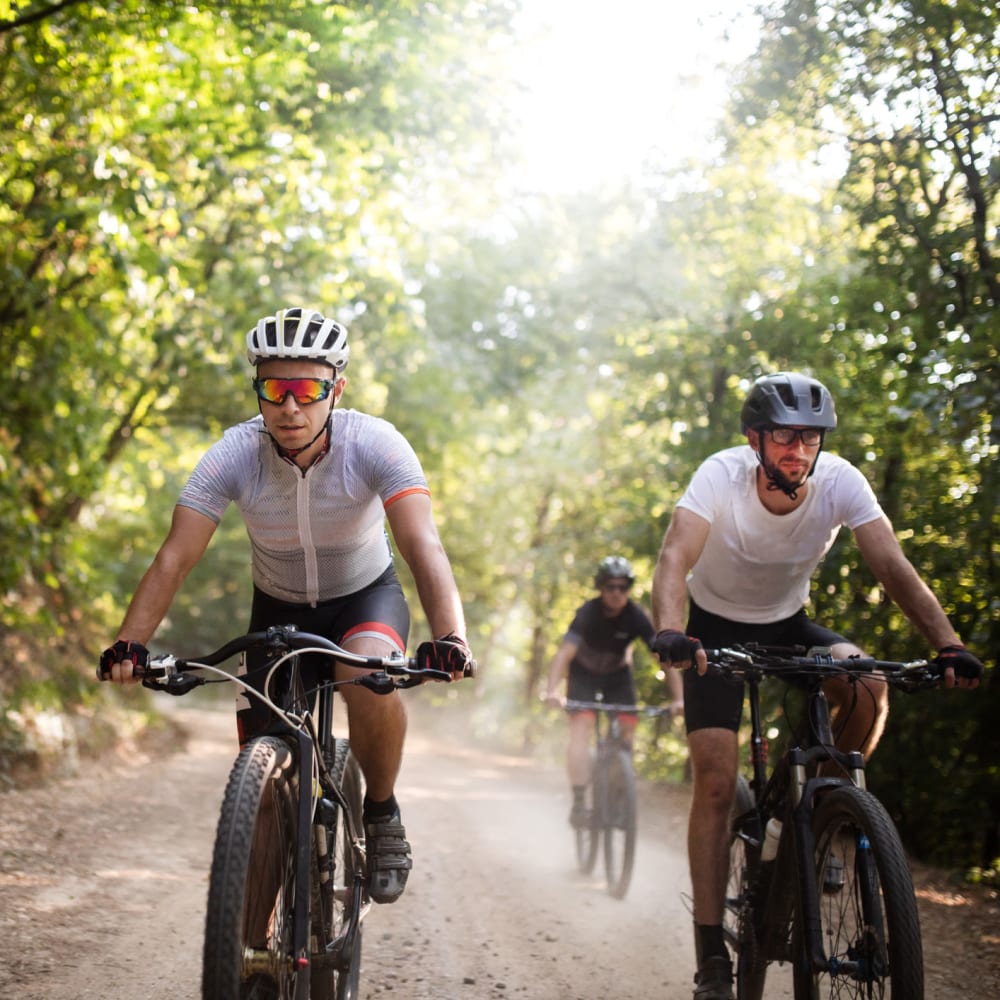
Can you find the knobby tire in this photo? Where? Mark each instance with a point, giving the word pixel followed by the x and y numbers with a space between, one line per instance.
pixel 619 816
pixel 587 837
pixel 252 882
pixel 872 921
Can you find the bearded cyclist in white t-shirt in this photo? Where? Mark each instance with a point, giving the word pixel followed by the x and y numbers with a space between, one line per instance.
pixel 315 486
pixel 738 556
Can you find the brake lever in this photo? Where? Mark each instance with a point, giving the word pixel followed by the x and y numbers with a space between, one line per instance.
pixel 379 682
pixel 176 684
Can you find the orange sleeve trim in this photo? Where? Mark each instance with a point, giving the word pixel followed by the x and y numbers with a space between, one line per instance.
pixel 406 493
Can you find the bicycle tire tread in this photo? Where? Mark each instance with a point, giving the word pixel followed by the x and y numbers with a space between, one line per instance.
pixel 864 811
pixel 231 860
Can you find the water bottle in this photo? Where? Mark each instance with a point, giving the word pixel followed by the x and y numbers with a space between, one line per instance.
pixel 772 835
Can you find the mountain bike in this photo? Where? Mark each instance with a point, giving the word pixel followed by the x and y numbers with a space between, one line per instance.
pixel 817 874
pixel 288 888
pixel 610 797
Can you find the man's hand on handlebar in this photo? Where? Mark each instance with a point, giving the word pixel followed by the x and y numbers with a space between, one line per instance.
pixel 554 700
pixel 675 649
pixel 450 653
pixel 959 666
pixel 118 662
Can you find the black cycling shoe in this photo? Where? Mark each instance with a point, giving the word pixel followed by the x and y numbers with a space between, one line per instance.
pixel 714 980
pixel 389 860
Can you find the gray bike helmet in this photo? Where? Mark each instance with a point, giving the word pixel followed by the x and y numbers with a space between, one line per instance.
pixel 788 398
pixel 614 568
pixel 302 334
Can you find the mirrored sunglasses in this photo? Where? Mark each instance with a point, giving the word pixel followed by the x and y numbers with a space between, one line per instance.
pixel 305 390
pixel 809 436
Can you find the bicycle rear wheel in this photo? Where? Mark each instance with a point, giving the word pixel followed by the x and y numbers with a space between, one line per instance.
pixel 587 836
pixel 738 915
pixel 251 895
pixel 335 897
pixel 619 814
pixel 868 912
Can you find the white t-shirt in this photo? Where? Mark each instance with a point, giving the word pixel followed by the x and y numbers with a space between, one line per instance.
pixel 315 534
pixel 756 566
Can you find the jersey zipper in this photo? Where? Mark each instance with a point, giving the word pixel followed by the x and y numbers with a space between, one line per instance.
pixel 302 505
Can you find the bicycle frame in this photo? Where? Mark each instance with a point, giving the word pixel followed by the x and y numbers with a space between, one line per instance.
pixel 791 777
pixel 613 816
pixel 774 908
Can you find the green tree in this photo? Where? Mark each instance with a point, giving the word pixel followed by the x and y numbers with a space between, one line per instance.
pixel 904 97
pixel 169 174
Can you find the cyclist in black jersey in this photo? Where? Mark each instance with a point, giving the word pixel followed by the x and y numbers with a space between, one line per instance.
pixel 595 659
pixel 315 485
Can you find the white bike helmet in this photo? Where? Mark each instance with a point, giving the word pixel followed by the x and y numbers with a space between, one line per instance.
pixel 304 334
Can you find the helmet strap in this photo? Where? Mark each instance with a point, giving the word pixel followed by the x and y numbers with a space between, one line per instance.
pixel 292 452
pixel 776 481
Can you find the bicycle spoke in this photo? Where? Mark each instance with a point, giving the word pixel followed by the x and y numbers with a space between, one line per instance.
pixel 868 913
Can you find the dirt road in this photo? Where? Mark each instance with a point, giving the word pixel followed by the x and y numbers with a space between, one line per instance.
pixel 103 881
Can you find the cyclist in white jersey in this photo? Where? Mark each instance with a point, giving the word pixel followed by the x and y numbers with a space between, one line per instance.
pixel 741 547
pixel 315 486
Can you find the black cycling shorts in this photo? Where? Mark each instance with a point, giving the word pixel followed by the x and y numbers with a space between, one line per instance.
pixel 715 702
pixel 617 688
pixel 378 609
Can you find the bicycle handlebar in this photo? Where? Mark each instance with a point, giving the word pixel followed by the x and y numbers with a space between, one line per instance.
pixel 604 706
pixel 394 670
pixel 753 660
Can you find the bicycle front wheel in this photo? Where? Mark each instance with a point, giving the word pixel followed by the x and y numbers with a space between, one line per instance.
pixel 619 816
pixel 251 895
pixel 868 911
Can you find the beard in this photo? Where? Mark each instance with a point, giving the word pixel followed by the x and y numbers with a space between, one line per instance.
pixel 778 480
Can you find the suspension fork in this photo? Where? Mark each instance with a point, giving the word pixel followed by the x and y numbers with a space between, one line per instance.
pixel 303 847
pixel 804 794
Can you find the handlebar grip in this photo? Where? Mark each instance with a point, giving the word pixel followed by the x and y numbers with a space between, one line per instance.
pixel 120 651
pixel 139 673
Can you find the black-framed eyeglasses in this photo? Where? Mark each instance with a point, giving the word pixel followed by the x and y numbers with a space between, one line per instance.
pixel 809 436
pixel 305 390
pixel 623 587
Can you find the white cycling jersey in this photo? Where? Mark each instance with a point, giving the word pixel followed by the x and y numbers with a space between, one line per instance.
pixel 317 533
pixel 756 566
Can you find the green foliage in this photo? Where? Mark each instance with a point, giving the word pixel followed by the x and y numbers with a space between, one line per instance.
pixel 169 176
pixel 170 172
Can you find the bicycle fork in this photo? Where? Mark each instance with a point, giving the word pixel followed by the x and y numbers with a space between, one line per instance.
pixel 296 961
pixel 804 793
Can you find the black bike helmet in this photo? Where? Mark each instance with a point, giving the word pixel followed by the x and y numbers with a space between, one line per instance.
pixel 614 568
pixel 788 398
